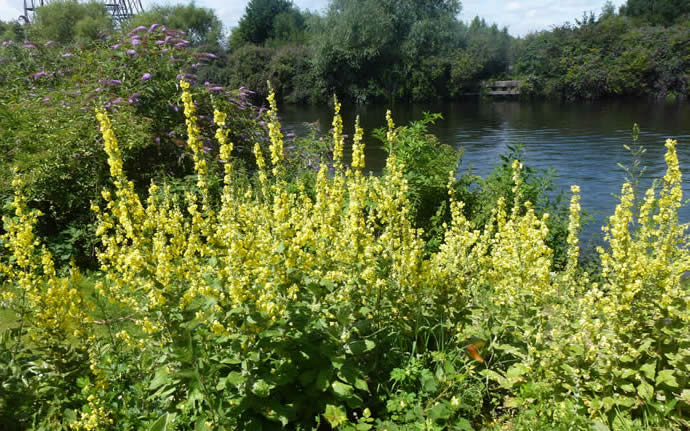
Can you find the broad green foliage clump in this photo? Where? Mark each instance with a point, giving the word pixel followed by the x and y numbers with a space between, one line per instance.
pixel 47 91
pixel 611 56
pixel 271 304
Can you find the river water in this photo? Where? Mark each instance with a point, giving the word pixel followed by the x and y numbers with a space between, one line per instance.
pixel 583 142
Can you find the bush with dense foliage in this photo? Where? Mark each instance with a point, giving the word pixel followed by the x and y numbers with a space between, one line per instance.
pixel 613 56
pixel 272 304
pixel 68 21
pixel 47 91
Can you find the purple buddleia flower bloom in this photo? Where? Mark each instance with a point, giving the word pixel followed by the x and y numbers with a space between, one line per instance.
pixel 160 42
pixel 112 82
pixel 153 27
pixel 165 51
pixel 131 52
pixel 118 101
pixel 33 95
pixel 134 98
pixel 67 55
pixel 137 30
pixel 215 89
pixel 2 60
pixel 181 44
pixel 116 46
pixel 39 75
pixel 146 76
pixel 29 46
pixel 50 42
pixel 135 42
pixel 209 55
pixel 33 54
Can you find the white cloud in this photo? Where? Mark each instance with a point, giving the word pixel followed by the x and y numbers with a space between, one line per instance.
pixel 531 15
pixel 513 6
pixel 11 9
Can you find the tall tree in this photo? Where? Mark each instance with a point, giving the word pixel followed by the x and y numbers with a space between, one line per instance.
pixel 257 24
pixel 365 46
pixel 68 21
pixel 201 25
pixel 664 12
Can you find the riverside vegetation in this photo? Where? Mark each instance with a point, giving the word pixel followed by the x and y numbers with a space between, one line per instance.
pixel 171 261
pixel 386 50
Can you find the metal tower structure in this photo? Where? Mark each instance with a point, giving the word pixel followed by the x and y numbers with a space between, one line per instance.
pixel 120 10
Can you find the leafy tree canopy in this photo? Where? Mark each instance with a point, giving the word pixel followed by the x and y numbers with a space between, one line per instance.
pixel 200 24
pixel 258 23
pixel 68 21
pixel 12 30
pixel 664 12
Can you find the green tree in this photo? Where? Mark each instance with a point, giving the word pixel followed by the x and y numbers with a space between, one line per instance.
pixel 12 30
pixel 664 12
pixel 365 46
pixel 68 21
pixel 257 24
pixel 201 25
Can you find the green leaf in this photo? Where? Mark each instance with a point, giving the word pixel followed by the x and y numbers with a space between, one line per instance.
pixel 428 382
pixel 162 377
pixel 645 390
pixel 667 378
pixel 608 403
pixel 628 387
pixel 323 380
pixel 342 390
pixel 70 416
pixel 361 346
pixel 335 416
pixel 261 389
pixel 516 370
pixel 235 378
pixel 279 412
pixel 649 369
pixel 439 411
pixel 598 426
pixel 462 424
pixel 627 372
pixel 163 423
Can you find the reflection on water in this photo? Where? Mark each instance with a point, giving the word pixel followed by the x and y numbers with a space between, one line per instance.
pixel 582 141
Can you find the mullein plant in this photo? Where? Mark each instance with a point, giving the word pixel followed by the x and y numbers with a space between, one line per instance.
pixel 265 257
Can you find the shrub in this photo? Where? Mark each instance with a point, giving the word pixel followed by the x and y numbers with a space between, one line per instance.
pixel 47 88
pixel 265 306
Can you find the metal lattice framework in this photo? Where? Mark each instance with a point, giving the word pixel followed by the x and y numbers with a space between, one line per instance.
pixel 120 10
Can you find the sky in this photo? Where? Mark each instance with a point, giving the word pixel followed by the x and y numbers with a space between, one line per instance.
pixel 520 16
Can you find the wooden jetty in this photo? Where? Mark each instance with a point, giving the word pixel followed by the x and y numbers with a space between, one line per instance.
pixel 503 88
